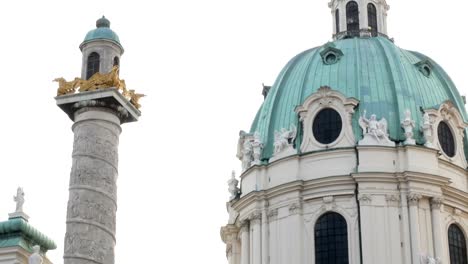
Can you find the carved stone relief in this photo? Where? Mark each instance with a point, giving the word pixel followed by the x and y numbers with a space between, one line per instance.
pixel 95 210
pixel 95 146
pixel 365 199
pixel 82 245
pixel 94 172
pixel 295 208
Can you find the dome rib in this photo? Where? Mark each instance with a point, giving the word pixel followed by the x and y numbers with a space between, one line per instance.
pixel 383 77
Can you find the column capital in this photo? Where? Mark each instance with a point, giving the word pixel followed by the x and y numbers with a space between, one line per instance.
pixel 436 202
pixel 244 226
pixel 413 198
pixel 104 98
pixel 255 217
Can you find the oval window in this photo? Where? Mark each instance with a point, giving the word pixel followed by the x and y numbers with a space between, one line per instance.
pixel 327 126
pixel 446 140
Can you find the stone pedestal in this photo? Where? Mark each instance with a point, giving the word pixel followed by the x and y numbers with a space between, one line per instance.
pixel 92 204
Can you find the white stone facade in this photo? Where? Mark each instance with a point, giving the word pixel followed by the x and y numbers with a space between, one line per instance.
pixel 17 255
pixel 398 202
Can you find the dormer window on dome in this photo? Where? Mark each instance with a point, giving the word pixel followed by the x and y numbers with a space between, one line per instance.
pixel 331 55
pixel 425 67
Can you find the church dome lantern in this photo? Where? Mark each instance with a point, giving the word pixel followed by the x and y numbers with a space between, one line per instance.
pixel 101 49
pixel 359 18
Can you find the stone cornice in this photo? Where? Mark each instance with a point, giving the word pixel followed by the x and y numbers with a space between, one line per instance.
pixel 375 177
pixel 453 166
pixel 455 197
pixel 18 226
pixel 409 176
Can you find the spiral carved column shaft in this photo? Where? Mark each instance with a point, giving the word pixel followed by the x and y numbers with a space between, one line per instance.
pixel 92 204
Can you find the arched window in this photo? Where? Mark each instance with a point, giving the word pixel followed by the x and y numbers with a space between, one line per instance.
pixel 93 65
pixel 352 19
pixel 372 17
pixel 457 245
pixel 337 20
pixel 116 61
pixel 331 239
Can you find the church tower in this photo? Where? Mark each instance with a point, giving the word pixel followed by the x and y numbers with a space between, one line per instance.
pixel 98 109
pixel 358 155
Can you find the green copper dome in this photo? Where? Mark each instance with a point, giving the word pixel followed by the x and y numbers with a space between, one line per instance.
pixel 385 79
pixel 102 32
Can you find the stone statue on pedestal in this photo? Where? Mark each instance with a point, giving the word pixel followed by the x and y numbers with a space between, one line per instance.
pixel 257 147
pixel 408 126
pixel 35 257
pixel 19 199
pixel 374 131
pixel 284 138
pixel 233 189
pixel 426 127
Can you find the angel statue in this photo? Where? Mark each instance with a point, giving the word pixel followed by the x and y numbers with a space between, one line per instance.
pixel 375 131
pixel 408 125
pixel 284 138
pixel 233 189
pixel 19 199
pixel 426 127
pixel 35 257
pixel 257 146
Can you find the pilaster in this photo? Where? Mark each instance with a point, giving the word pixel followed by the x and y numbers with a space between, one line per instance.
pixel 413 201
pixel 245 242
pixel 436 204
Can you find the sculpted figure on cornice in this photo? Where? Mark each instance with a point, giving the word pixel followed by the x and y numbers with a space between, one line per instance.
pixel 244 150
pixel 408 125
pixel 233 189
pixel 35 257
pixel 374 131
pixel 249 149
pixel 257 146
pixel 426 127
pixel 284 138
pixel 19 199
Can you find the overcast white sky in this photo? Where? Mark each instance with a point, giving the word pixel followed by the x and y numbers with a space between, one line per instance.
pixel 202 64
